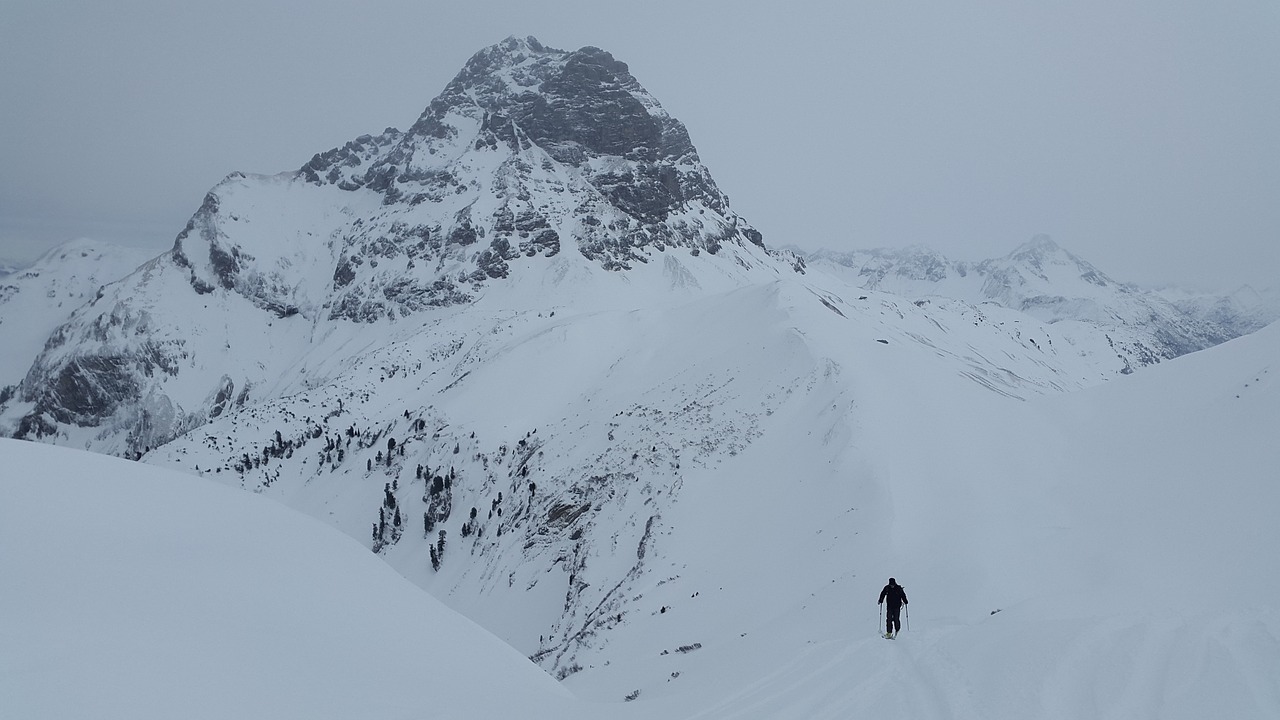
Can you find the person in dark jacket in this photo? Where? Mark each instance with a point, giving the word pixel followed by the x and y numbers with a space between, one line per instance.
pixel 896 597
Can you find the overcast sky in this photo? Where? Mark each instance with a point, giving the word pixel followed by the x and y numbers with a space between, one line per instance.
pixel 1143 136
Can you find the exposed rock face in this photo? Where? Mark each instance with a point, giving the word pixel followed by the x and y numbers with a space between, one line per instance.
pixel 528 149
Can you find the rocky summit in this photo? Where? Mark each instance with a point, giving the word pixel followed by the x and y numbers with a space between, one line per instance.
pixel 527 149
pixel 532 157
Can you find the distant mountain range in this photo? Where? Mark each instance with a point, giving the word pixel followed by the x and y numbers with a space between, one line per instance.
pixel 1048 283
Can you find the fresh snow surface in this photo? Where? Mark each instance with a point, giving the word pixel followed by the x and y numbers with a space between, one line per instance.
pixel 135 592
pixel 1105 553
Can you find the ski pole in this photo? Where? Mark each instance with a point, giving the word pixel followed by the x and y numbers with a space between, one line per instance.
pixel 907 608
pixel 880 624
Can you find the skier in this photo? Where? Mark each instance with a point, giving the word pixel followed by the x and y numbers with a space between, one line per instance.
pixel 897 597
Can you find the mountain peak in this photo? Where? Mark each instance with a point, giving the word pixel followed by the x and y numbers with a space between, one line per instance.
pixel 510 65
pixel 528 43
pixel 533 165
pixel 528 51
pixel 1042 241
pixel 585 97
pixel 1038 255
pixel 521 129
pixel 1037 249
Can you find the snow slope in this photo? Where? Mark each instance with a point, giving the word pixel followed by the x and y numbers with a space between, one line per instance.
pixel 1102 553
pixel 134 592
pixel 1107 553
pixel 1123 536
pixel 725 482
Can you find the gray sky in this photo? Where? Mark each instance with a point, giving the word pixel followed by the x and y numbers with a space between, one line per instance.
pixel 1143 136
